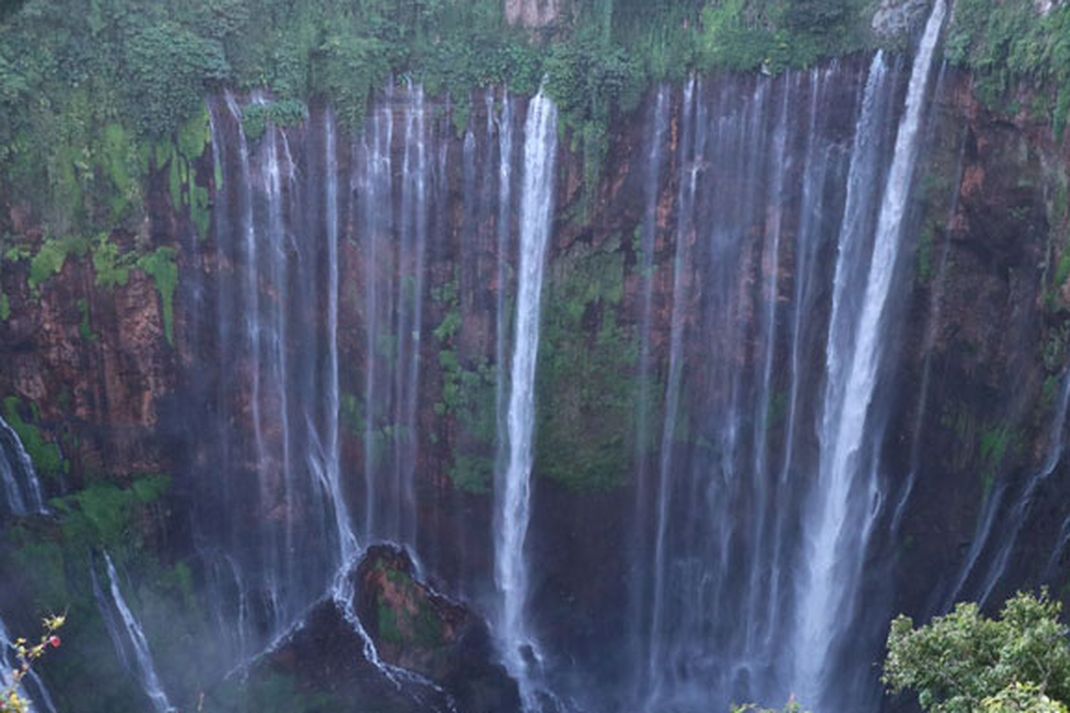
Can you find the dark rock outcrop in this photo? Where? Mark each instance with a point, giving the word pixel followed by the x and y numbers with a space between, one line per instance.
pixel 435 653
pixel 419 630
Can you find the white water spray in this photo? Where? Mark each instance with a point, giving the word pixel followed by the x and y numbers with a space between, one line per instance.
pixel 20 486
pixel 838 528
pixel 130 633
pixel 513 508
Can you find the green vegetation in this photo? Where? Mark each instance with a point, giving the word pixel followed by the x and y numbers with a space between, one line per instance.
pixel 352 413
pixel 997 443
pixel 85 327
pixel 112 268
pixel 55 562
pixel 47 457
pixel 407 618
pixel 468 394
pixel 1006 44
pixel 586 378
pixel 28 655
pixel 388 625
pixel 179 157
pixel 96 95
pixel 255 118
pixel 988 446
pixel 965 662
pixel 104 515
pixel 51 257
pixel 161 267
pixel 468 398
pixel 744 35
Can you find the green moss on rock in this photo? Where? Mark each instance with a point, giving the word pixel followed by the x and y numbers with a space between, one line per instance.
pixel 47 457
pixel 162 268
pixel 52 256
pixel 588 390
pixel 112 268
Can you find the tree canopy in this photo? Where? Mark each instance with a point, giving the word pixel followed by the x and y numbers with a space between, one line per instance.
pixel 965 662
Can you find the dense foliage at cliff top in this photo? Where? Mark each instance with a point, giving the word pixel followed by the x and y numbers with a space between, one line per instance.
pixel 89 89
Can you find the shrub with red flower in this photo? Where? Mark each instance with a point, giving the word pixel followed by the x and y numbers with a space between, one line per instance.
pixel 11 701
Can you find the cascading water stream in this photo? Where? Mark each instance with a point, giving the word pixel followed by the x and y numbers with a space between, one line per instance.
pixel 22 492
pixel 373 188
pixel 689 168
pixel 274 329
pixel 849 280
pixel 251 290
pixel 988 525
pixel 504 233
pixel 394 244
pixel 413 225
pixel 513 488
pixel 285 260
pixel 766 481
pixel 651 190
pixel 819 160
pixel 838 527
pixel 128 637
pixel 347 541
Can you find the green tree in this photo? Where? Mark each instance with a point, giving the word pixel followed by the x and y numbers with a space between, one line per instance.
pixel 964 662
pixel 1021 698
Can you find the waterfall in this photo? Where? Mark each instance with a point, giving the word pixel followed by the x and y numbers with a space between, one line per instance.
pixel 766 483
pixel 395 256
pixel 849 281
pixel 513 488
pixel 504 233
pixel 277 405
pixel 33 688
pixel 128 637
pixel 987 577
pixel 412 248
pixel 280 473
pixel 331 451
pixel 753 523
pixel 655 155
pixel 759 374
pixel 846 495
pixel 251 291
pixel 22 490
pixel 690 151
pixel 373 188
pixel 651 190
pixel 819 161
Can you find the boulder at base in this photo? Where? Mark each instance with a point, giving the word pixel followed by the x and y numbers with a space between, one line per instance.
pixel 419 630
pixel 435 654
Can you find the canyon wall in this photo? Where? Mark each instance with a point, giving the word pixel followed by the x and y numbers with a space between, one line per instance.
pixel 336 373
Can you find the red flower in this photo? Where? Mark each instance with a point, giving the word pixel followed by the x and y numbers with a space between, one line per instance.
pixel 54 641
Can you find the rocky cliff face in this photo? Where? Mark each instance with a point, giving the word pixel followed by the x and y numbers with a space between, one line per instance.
pixel 90 362
pixel 291 389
